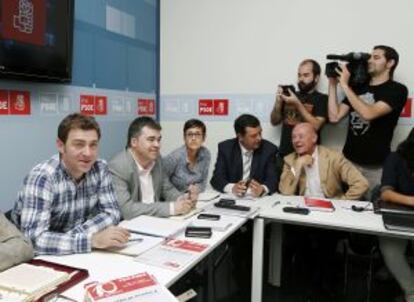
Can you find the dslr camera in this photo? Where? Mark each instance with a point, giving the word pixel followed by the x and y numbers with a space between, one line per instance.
pixel 357 66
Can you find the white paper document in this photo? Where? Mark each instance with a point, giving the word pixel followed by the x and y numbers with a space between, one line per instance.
pixel 174 254
pixel 154 226
pixel 138 244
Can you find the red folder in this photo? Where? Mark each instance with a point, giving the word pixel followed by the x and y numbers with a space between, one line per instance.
pixel 79 275
pixel 319 204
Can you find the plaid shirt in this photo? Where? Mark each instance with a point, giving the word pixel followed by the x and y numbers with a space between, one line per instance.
pixel 59 215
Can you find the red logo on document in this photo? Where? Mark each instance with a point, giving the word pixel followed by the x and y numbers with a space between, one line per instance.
pixel 101 105
pixel 205 107
pixel 24 20
pixel 19 102
pixel 221 107
pixel 146 106
pixel 87 104
pixel 406 112
pixel 4 102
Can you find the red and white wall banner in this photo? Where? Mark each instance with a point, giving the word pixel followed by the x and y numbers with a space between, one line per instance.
pixel 93 104
pixel 15 102
pixel 146 107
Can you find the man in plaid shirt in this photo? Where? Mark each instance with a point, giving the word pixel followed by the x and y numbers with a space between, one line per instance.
pixel 67 204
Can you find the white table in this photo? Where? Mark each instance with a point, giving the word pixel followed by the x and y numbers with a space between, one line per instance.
pixel 104 266
pixel 343 218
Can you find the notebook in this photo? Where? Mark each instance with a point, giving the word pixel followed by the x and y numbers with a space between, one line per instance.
pixel 30 282
pixel 317 204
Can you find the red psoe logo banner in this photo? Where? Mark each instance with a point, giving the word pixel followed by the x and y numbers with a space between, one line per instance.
pixel 146 106
pixel 87 104
pixel 101 105
pixel 4 102
pixel 19 102
pixel 24 21
pixel 205 107
pixel 221 107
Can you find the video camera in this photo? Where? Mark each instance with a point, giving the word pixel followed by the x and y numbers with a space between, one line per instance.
pixel 357 66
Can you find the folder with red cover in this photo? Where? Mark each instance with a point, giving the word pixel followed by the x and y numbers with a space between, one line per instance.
pixel 318 204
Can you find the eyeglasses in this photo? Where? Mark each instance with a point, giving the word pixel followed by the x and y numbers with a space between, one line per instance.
pixel 193 135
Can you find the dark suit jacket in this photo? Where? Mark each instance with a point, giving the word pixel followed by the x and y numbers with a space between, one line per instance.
pixel 229 165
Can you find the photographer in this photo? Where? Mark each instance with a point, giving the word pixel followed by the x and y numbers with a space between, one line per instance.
pixel 307 105
pixel 374 110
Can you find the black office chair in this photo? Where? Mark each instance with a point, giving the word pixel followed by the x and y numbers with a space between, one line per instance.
pixel 8 215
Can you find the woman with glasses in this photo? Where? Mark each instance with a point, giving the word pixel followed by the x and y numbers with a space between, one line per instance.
pixel 189 164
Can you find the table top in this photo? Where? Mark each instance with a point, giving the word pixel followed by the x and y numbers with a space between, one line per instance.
pixel 105 266
pixel 342 218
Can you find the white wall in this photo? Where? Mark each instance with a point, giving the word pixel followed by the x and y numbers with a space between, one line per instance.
pixel 248 47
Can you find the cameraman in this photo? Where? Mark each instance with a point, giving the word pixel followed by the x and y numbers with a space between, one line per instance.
pixel 374 110
pixel 308 105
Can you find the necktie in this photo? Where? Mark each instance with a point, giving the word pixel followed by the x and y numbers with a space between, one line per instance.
pixel 247 163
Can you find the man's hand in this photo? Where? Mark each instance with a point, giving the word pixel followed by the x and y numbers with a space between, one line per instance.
pixel 256 188
pixel 344 76
pixel 183 205
pixel 193 192
pixel 240 188
pixel 112 236
pixel 279 93
pixel 303 161
pixel 291 99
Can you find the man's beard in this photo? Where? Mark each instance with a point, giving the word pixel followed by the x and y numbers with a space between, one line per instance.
pixel 306 88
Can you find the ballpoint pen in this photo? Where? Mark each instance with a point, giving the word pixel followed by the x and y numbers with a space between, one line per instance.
pixel 135 240
pixel 275 203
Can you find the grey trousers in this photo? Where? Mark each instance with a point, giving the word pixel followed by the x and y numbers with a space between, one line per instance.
pixel 393 250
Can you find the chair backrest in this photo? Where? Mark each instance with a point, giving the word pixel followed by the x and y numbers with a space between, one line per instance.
pixel 375 193
pixel 8 215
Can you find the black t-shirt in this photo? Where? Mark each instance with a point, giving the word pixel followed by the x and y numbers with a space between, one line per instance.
pixel 368 143
pixel 316 103
pixel 397 175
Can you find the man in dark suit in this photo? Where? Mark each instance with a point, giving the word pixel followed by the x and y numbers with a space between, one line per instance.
pixel 246 164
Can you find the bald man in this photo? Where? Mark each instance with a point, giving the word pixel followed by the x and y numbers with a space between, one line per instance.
pixel 317 171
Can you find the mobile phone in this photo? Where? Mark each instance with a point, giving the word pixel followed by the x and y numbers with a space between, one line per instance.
pixel 286 88
pixel 227 202
pixel 200 232
pixel 296 210
pixel 208 216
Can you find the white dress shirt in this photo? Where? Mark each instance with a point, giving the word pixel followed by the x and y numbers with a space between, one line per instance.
pixel 145 183
pixel 313 180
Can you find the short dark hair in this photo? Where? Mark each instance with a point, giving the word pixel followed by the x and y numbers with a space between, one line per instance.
pixel 76 121
pixel 390 54
pixel 406 150
pixel 244 121
pixel 316 68
pixel 138 124
pixel 194 123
